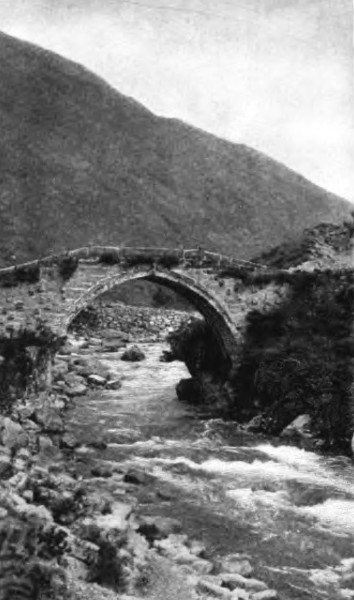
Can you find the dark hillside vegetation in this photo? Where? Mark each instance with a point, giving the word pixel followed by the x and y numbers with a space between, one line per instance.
pixel 81 163
pixel 299 359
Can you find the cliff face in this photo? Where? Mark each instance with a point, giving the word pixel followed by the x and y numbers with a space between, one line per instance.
pixel 81 163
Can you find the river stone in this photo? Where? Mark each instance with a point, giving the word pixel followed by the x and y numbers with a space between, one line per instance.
pixel 13 436
pixel 299 427
pixel 79 389
pixel 118 519
pixel 137 477
pixel 236 563
pixel 102 470
pixel 69 441
pixel 114 384
pixel 202 566
pixel 49 418
pixel 213 590
pixel 133 354
pixel 155 528
pixel 5 467
pixel 234 580
pixel 266 595
pixel 96 380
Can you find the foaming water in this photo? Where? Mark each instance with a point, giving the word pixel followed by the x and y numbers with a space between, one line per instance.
pixel 291 509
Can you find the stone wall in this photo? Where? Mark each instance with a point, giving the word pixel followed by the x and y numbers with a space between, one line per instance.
pixel 139 323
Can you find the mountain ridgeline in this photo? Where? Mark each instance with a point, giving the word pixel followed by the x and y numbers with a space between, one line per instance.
pixel 81 163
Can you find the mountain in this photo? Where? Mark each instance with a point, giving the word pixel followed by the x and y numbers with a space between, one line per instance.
pixel 80 163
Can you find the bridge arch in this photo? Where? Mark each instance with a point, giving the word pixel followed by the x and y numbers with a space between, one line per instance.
pixel 212 309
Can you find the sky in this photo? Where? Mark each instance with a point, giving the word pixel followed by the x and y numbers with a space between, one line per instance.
pixel 276 75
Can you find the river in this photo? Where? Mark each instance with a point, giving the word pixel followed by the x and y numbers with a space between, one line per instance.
pixel 290 509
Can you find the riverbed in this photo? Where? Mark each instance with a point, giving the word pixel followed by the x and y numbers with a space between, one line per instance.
pixel 291 510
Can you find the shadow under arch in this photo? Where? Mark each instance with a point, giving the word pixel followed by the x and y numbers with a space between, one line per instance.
pixel 214 313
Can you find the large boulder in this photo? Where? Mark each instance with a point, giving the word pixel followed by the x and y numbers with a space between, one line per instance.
pixel 133 354
pixel 189 390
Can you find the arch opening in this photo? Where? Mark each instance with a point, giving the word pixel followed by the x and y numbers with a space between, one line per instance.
pixel 214 313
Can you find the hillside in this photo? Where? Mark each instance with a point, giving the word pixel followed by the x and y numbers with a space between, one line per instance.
pixel 81 163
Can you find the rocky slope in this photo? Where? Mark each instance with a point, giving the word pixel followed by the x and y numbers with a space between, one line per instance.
pixel 81 163
pixel 69 528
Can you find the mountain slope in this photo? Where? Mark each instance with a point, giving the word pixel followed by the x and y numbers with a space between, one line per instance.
pixel 80 163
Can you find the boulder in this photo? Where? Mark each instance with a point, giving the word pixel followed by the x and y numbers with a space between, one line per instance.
pixel 236 563
pixel 133 354
pixel 96 380
pixel 266 595
pixel 299 427
pixel 234 580
pixel 189 390
pixel 6 470
pixel 12 435
pixel 49 418
pixel 114 384
pixel 213 590
pixel 112 345
pixel 102 470
pixel 156 528
pixel 69 441
pixel 79 389
pixel 118 519
pixel 137 477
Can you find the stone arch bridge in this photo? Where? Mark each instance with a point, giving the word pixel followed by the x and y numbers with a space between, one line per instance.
pixel 46 294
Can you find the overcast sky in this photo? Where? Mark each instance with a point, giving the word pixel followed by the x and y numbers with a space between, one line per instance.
pixel 273 74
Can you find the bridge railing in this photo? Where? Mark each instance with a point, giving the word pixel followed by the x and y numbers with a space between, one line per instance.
pixel 195 257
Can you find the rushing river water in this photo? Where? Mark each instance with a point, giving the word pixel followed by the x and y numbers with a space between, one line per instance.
pixel 291 510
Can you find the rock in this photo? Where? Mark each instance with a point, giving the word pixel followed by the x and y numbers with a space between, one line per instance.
pixel 298 428
pixel 202 566
pixel 240 594
pixel 75 568
pixel 213 590
pixel 114 384
pixel 266 595
pixel 69 441
pixel 166 356
pixel 79 389
pixel 6 469
pixel 13 436
pixel 137 477
pixel 255 424
pixel 49 418
pixel 236 563
pixel 110 333
pixel 189 390
pixel 111 345
pixel 86 366
pixel 3 513
pixel 96 380
pixel 102 470
pixel 118 519
pixel 98 444
pixel 234 580
pixel 196 547
pixel 156 528
pixel 133 354
pixel 47 450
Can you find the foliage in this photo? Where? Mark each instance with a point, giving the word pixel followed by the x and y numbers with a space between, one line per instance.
pixel 26 274
pixel 299 359
pixel 67 266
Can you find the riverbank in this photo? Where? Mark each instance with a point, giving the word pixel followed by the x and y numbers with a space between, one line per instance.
pixel 69 522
